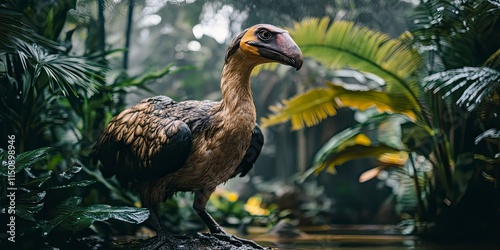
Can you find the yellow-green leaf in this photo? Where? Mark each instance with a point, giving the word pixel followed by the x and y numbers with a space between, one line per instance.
pixel 310 108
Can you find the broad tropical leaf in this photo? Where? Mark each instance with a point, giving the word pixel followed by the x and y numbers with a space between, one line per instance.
pixel 70 216
pixel 29 203
pixel 354 143
pixel 470 83
pixel 333 153
pixel 356 80
pixel 141 80
pixel 25 159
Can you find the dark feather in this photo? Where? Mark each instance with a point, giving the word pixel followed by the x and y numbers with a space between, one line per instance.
pixel 235 44
pixel 151 139
pixel 252 153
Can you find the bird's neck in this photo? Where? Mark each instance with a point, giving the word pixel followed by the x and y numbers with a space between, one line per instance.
pixel 236 91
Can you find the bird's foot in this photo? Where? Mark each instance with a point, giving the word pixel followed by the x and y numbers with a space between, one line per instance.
pixel 161 241
pixel 233 239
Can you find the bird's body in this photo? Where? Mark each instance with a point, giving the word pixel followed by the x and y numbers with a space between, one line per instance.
pixel 162 146
pixel 219 143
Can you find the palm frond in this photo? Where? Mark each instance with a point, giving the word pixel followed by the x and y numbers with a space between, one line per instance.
pixel 310 108
pixel 72 75
pixel 306 109
pixel 357 80
pixel 19 33
pixel 471 84
pixel 342 44
pixel 456 31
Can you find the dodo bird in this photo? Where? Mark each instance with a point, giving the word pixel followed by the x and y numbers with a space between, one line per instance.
pixel 161 147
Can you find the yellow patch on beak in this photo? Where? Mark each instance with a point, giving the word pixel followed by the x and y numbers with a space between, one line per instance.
pixel 249 36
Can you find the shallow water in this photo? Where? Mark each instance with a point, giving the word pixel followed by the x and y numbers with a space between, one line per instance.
pixel 357 237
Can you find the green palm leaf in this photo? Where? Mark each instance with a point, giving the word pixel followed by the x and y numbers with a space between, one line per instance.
pixel 17 31
pixel 456 31
pixel 342 44
pixel 307 109
pixel 471 84
pixel 70 74
pixel 310 108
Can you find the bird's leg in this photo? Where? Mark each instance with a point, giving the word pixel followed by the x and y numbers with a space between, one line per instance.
pixel 154 220
pixel 162 236
pixel 200 201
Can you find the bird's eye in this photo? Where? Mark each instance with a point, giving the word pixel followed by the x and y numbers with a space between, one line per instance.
pixel 265 35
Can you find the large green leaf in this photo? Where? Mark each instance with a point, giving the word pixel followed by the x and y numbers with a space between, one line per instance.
pixel 29 203
pixel 25 159
pixel 471 84
pixel 82 183
pixel 357 142
pixel 70 216
pixel 56 180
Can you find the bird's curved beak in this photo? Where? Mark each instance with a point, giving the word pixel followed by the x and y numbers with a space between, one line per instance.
pixel 284 50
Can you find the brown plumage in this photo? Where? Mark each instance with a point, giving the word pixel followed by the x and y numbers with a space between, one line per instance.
pixel 162 146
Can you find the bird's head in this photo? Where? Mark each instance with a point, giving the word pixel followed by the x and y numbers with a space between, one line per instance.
pixel 265 43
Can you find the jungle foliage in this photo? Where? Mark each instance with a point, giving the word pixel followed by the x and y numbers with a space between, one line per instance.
pixel 435 88
pixel 54 103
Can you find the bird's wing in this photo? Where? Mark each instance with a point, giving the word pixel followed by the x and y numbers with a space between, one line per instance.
pixel 144 142
pixel 252 153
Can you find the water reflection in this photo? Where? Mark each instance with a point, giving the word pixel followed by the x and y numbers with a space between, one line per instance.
pixel 358 237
